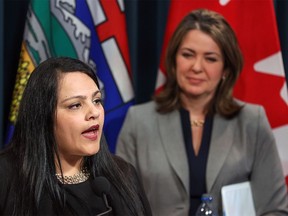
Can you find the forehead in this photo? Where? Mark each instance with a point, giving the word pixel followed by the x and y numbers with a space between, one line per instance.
pixel 199 39
pixel 75 83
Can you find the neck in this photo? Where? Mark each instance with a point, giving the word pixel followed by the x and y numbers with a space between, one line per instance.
pixel 70 166
pixel 197 107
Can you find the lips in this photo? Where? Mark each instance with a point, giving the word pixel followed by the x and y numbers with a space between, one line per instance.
pixel 91 133
pixel 195 80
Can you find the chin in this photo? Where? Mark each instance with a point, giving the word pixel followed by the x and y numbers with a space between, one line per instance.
pixel 92 152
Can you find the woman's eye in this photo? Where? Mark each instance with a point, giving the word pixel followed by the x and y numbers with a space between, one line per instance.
pixel 211 59
pixel 74 106
pixel 98 101
pixel 187 54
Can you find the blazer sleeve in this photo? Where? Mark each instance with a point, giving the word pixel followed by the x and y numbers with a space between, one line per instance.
pixel 141 192
pixel 267 179
pixel 126 143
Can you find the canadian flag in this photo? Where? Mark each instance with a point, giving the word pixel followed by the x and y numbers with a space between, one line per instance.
pixel 262 80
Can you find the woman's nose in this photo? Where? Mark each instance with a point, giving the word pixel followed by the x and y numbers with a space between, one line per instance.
pixel 92 112
pixel 197 65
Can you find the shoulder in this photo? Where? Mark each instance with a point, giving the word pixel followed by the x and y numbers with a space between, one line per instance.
pixel 252 118
pixel 7 173
pixel 128 171
pixel 6 164
pixel 126 168
pixel 250 110
pixel 132 179
pixel 143 113
pixel 7 168
pixel 123 165
pixel 149 106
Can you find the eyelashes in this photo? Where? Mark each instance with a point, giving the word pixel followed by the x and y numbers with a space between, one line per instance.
pixel 74 106
pixel 98 101
pixel 78 105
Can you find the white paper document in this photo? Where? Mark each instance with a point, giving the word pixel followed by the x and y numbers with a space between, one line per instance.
pixel 237 200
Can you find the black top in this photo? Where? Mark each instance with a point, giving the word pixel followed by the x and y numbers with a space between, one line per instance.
pixel 81 197
pixel 197 164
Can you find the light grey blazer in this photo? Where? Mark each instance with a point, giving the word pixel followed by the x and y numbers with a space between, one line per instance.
pixel 241 149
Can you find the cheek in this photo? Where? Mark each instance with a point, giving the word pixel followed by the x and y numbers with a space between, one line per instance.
pixel 216 73
pixel 217 78
pixel 61 133
pixel 66 137
pixel 65 121
pixel 180 75
pixel 64 128
pixel 102 114
pixel 181 64
pixel 179 69
pixel 60 125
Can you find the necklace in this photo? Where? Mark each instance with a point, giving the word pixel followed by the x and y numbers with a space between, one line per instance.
pixel 77 178
pixel 197 123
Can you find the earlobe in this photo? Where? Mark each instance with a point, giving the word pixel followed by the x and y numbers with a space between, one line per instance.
pixel 224 76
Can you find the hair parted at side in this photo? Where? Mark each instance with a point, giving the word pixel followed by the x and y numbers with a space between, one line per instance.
pixel 214 25
pixel 35 149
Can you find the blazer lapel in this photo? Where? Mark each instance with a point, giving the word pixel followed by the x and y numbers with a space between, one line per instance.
pixel 220 144
pixel 173 142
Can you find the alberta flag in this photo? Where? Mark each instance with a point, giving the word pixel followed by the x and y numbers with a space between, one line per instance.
pixel 262 80
pixel 93 31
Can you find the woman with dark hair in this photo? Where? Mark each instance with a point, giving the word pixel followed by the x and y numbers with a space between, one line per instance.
pixel 194 137
pixel 58 157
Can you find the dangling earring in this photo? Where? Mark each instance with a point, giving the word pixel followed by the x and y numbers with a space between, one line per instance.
pixel 223 77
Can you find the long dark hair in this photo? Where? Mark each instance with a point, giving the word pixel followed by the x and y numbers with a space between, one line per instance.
pixel 34 147
pixel 214 25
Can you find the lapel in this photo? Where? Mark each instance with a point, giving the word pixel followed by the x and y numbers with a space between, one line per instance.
pixel 221 142
pixel 173 143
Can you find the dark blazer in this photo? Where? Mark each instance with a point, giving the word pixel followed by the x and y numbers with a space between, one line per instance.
pixel 241 149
